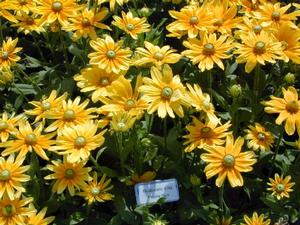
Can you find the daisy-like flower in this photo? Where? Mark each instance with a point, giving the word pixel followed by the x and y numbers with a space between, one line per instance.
pixel 15 212
pixel 8 52
pixel 56 10
pixel 208 51
pixel 46 106
pixel 250 26
pixel 39 218
pixel 8 125
pixel 201 102
pixel 273 15
pixel 96 191
pixel 28 140
pixel 78 141
pixel 201 134
pixel 164 93
pixel 131 25
pixel 280 186
pixel 145 177
pixel 288 108
pixel 259 138
pixel 228 161
pixel 190 20
pixel 123 98
pixel 223 221
pixel 28 23
pixel 24 6
pixel 70 114
pixel 6 76
pixel 258 49
pixel 225 18
pixel 122 121
pixel 155 55
pixel 85 23
pixel 113 3
pixel 256 220
pixel 4 6
pixel 96 80
pixel 68 175
pixel 290 40
pixel 109 55
pixel 12 175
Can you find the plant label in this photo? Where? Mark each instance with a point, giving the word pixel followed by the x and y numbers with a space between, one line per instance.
pixel 151 192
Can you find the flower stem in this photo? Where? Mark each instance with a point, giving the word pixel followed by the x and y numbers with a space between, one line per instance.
pixel 276 151
pixel 221 197
pixel 165 133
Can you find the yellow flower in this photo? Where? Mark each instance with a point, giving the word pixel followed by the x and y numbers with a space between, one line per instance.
pixel 145 177
pixel 122 121
pixel 4 6
pixel 71 113
pixel 201 102
pixel 190 20
pixel 6 76
pixel 8 125
pixel 259 48
pixel 8 52
pixel 123 98
pixel 28 23
pixel 164 93
pixel 12 175
pixel 201 134
pixel 56 10
pixel 97 191
pixel 85 23
pixel 14 212
pixel 155 55
pixel 223 221
pixel 131 25
pixel 289 38
pixel 28 140
pixel 208 51
pixel 273 15
pixel 280 186
pixel 96 80
pixel 288 108
pixel 24 6
pixel 259 138
pixel 46 106
pixel 78 141
pixel 109 55
pixel 112 3
pixel 38 219
pixel 256 220
pixel 228 161
pixel 68 175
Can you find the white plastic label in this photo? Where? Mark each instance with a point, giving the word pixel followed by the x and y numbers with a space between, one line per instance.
pixel 150 192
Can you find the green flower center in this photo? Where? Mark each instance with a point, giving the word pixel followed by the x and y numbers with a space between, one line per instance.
pixel 4 175
pixel 260 47
pixel 167 92
pixel 205 132
pixel 261 136
pixel 69 115
pixel 130 26
pixel 80 142
pixel 69 173
pixel 257 29
pixel 218 22
pixel 46 106
pixel 31 139
pixel 3 125
pixel 57 6
pixel 111 54
pixel 5 55
pixel 292 107
pixel 85 22
pixel 276 16
pixel 130 103
pixel 280 188
pixel 95 191
pixel 121 125
pixel 228 160
pixel 158 56
pixel 208 49
pixel 8 210
pixel 194 20
pixel 104 81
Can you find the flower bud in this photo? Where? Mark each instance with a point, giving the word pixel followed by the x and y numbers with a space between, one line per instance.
pixel 195 180
pixel 145 11
pixel 235 90
pixel 289 78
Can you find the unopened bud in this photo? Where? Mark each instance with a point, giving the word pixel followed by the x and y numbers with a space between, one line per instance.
pixel 289 78
pixel 235 90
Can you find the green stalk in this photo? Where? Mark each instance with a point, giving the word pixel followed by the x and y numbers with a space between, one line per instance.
pixel 119 136
pixel 28 78
pixel 276 151
pixel 221 197
pixel 62 41
pixel 209 81
pixel 94 162
pixel 165 133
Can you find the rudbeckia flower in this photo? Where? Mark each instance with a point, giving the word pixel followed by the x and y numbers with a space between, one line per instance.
pixel 256 220
pixel 280 186
pixel 8 52
pixel 259 138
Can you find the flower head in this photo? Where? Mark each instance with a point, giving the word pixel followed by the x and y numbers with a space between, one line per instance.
pixel 280 186
pixel 8 125
pixel 259 137
pixel 256 220
pixel 38 218
pixel 8 52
